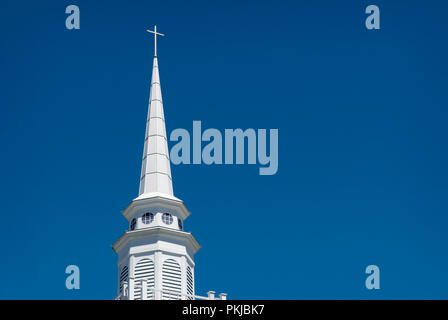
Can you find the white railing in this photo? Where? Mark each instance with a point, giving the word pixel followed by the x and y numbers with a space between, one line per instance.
pixel 163 294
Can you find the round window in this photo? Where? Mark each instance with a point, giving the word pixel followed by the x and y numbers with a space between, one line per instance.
pixel 167 218
pixel 133 224
pixel 147 218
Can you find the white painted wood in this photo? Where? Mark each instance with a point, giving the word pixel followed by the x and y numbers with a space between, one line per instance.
pixel 170 249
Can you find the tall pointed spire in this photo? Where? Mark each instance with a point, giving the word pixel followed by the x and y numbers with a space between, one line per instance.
pixel 156 171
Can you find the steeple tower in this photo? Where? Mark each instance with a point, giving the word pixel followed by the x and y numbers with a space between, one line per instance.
pixel 155 256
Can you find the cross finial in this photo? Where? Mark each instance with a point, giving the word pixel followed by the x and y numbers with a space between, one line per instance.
pixel 155 38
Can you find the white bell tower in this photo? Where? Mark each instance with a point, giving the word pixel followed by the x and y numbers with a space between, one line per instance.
pixel 156 256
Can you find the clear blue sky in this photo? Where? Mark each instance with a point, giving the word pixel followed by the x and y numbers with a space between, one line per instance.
pixel 363 157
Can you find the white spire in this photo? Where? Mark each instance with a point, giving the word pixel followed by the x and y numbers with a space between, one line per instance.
pixel 156 171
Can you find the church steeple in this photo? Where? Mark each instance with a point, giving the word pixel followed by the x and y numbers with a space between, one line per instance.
pixel 155 176
pixel 156 254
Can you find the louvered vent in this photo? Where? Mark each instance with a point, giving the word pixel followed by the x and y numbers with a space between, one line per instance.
pixel 171 280
pixel 144 271
pixel 189 282
pixel 123 277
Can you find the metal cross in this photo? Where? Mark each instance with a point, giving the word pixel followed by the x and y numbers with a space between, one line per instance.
pixel 155 38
